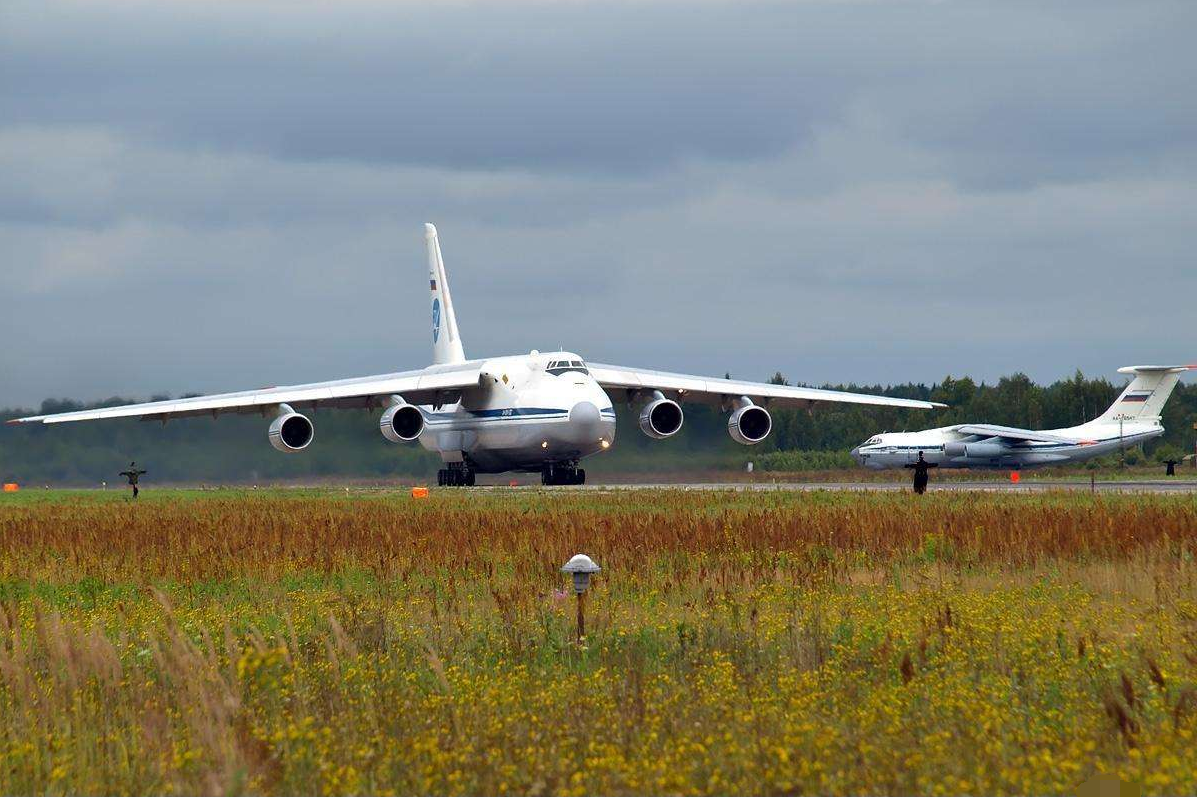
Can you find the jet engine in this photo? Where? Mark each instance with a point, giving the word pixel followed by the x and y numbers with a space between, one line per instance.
pixel 749 424
pixel 291 431
pixel 402 422
pixel 661 417
pixel 981 450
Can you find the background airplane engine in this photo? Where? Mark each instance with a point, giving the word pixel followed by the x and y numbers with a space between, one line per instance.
pixel 983 450
pixel 291 432
pixel 749 425
pixel 402 423
pixel 661 418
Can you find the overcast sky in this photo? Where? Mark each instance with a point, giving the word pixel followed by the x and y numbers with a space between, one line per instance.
pixel 207 196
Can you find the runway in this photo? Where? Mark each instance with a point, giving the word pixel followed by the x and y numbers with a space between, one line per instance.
pixel 1140 486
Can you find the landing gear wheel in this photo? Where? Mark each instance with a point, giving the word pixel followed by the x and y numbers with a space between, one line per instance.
pixel 455 477
pixel 551 475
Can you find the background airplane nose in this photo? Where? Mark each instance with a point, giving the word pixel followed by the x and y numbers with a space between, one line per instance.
pixel 585 423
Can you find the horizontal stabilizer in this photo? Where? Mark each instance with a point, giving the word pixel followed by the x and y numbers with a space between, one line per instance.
pixel 1156 369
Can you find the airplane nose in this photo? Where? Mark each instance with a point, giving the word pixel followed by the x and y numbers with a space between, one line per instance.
pixel 855 453
pixel 585 422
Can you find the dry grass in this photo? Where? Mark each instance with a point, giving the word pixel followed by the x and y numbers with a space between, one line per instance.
pixel 738 642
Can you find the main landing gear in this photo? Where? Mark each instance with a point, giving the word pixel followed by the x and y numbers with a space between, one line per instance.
pixel 562 473
pixel 456 475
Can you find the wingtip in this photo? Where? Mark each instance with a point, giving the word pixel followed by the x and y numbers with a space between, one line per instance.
pixel 14 422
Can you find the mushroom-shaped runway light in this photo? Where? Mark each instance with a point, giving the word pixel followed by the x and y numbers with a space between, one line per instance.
pixel 581 566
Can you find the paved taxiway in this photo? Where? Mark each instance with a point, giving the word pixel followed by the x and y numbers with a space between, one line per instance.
pixel 986 487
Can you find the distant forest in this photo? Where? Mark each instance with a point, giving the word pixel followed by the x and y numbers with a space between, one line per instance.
pixel 234 448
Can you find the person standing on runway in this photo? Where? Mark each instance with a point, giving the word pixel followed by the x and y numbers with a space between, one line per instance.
pixel 921 476
pixel 133 474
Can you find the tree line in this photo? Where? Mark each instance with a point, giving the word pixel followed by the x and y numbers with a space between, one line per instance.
pixel 348 444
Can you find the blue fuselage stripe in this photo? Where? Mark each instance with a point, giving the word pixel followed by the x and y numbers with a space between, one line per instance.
pixel 506 414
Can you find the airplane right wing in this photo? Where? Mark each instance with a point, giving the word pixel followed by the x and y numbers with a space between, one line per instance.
pixel 436 385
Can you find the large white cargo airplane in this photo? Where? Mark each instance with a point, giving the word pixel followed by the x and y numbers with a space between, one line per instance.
pixel 1133 418
pixel 530 412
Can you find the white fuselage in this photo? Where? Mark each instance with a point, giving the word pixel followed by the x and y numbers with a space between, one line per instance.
pixel 522 416
pixel 1093 439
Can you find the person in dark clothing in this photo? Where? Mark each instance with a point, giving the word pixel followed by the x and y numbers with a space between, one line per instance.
pixel 133 474
pixel 1171 463
pixel 920 473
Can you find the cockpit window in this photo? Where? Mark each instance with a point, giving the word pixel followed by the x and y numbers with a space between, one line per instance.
pixel 558 367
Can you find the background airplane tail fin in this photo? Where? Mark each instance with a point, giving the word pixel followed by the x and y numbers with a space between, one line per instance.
pixel 446 341
pixel 1145 396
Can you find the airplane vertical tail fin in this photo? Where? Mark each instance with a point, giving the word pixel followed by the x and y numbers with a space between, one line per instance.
pixel 1145 396
pixel 446 341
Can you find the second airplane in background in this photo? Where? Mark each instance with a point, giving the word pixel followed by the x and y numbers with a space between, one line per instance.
pixel 1132 419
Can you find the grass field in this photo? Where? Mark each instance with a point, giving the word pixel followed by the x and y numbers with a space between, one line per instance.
pixel 314 642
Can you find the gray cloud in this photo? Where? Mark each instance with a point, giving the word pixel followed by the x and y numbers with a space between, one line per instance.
pixel 589 87
pixel 601 87
pixel 214 196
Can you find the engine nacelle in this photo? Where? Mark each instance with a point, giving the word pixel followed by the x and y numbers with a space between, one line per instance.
pixel 401 423
pixel 661 418
pixel 749 424
pixel 291 431
pixel 982 450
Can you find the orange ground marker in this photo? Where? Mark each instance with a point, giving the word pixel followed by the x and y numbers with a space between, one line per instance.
pixel 11 487
pixel 1014 477
pixel 419 492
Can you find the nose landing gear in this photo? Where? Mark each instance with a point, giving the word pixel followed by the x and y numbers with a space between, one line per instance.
pixel 458 474
pixel 555 473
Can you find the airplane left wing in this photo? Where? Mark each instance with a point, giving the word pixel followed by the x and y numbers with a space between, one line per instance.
pixel 1012 434
pixel 624 383
pixel 435 385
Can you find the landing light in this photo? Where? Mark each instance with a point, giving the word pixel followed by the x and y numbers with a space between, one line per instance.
pixel 605 443
pixel 544 444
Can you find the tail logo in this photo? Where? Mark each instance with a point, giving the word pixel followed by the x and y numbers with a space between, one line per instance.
pixel 436 319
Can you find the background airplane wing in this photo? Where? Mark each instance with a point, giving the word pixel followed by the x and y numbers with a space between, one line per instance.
pixel 619 382
pixel 435 385
pixel 1011 433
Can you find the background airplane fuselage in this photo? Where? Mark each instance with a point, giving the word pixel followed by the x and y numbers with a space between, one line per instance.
pixel 899 449
pixel 521 416
pixel 1133 418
